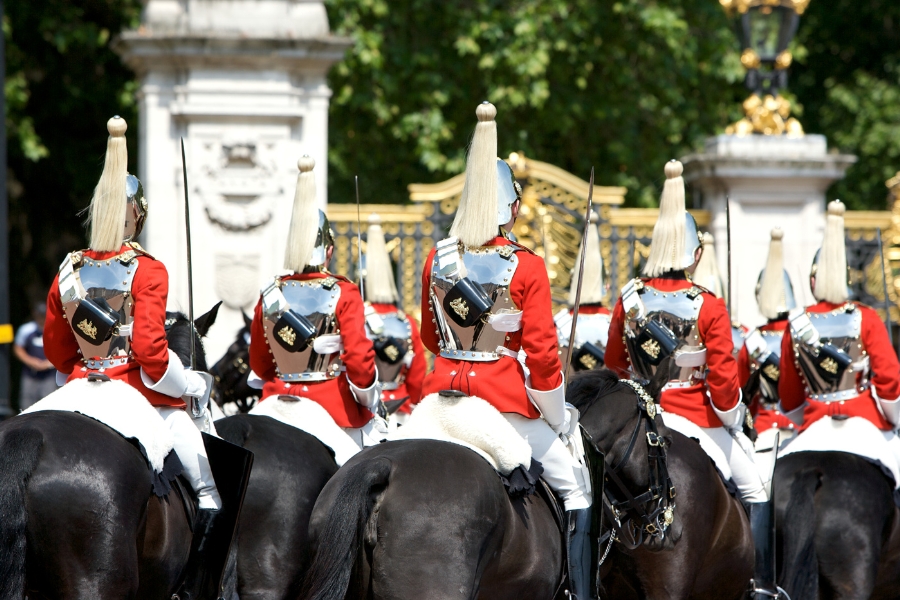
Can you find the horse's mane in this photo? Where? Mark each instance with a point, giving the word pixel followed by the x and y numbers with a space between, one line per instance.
pixel 178 335
pixel 587 387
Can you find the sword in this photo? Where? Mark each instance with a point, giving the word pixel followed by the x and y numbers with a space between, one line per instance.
pixel 187 231
pixel 728 242
pixel 887 298
pixel 362 289
pixel 587 224
pixel 197 405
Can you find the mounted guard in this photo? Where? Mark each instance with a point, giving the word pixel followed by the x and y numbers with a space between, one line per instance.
pixel 308 343
pixel 759 361
pixel 106 320
pixel 664 317
pixel 592 330
pixel 399 353
pixel 838 367
pixel 486 298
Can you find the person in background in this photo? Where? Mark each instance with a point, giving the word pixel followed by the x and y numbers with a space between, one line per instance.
pixel 38 375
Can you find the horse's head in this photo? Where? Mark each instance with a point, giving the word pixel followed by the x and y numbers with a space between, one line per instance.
pixel 179 331
pixel 232 370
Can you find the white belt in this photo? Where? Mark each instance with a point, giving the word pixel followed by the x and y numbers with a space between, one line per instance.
pixel 106 363
pixel 476 356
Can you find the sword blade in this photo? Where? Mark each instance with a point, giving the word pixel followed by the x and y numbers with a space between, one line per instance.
pixel 190 274
pixel 587 224
pixel 887 298
pixel 362 283
pixel 728 242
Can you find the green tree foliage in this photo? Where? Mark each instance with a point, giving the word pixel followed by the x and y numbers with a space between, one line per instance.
pixel 849 87
pixel 622 86
pixel 62 84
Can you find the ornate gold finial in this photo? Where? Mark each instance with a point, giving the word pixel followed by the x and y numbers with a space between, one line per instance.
pixel 742 6
pixel 768 116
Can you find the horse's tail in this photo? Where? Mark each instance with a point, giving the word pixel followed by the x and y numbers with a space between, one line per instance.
pixel 800 577
pixel 342 531
pixel 19 452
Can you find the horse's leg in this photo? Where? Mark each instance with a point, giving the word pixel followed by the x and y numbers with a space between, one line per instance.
pixel 164 545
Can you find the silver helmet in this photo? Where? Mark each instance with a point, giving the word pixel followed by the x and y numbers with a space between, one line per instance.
pixel 790 301
pixel 136 213
pixel 692 239
pixel 508 191
pixel 324 240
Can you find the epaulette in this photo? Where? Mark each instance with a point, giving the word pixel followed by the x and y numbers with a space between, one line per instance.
pixel 696 290
pixel 521 247
pixel 337 277
pixel 139 251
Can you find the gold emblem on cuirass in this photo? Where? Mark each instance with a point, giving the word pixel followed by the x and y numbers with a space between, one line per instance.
pixel 830 365
pixel 772 372
pixel 651 347
pixel 88 329
pixel 288 335
pixel 588 361
pixel 460 307
pixel 391 352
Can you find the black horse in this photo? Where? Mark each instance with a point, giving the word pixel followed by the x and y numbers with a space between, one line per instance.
pixel 838 528
pixel 421 518
pixel 232 371
pixel 707 552
pixel 78 518
pixel 290 468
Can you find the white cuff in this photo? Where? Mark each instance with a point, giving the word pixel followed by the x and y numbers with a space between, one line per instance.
pixel 732 418
pixel 61 378
pixel 255 381
pixel 551 403
pixel 889 408
pixel 369 396
pixel 173 383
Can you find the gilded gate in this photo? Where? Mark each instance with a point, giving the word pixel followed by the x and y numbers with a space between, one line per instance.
pixel 550 223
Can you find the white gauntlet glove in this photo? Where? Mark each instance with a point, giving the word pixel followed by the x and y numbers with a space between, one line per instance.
pixel 196 384
pixel 733 418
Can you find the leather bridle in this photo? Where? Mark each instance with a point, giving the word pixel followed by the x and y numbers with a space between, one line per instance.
pixel 652 512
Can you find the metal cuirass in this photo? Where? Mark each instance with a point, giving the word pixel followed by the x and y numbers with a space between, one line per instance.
pixel 591 329
pixel 393 345
pixel 316 301
pixel 830 352
pixel 110 280
pixel 765 356
pixel 658 324
pixel 493 267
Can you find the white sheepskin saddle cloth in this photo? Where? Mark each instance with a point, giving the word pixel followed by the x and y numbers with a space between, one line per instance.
pixel 309 416
pixel 854 435
pixel 118 406
pixel 692 430
pixel 471 422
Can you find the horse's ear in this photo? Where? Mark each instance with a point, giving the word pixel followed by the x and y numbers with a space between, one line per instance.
pixel 247 320
pixel 664 374
pixel 204 322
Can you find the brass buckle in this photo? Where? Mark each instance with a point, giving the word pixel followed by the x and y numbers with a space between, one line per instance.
pixel 654 439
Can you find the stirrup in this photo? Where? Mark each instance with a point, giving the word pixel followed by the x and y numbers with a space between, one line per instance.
pixel 755 592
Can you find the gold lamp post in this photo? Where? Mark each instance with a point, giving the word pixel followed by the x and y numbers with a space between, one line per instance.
pixel 765 29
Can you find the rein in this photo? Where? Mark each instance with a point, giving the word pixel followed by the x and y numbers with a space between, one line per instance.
pixel 652 512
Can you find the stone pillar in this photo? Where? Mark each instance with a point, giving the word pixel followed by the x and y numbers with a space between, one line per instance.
pixel 772 181
pixel 244 83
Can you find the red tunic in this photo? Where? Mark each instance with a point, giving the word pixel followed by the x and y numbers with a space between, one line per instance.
pixel 885 376
pixel 592 309
pixel 502 382
pixel 358 357
pixel 763 418
pixel 149 348
pixel 414 374
pixel 721 384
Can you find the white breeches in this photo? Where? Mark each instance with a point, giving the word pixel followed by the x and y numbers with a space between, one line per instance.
pixel 562 471
pixel 744 472
pixel 192 454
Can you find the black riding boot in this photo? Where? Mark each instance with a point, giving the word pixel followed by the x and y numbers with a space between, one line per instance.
pixel 209 553
pixel 578 525
pixel 762 524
